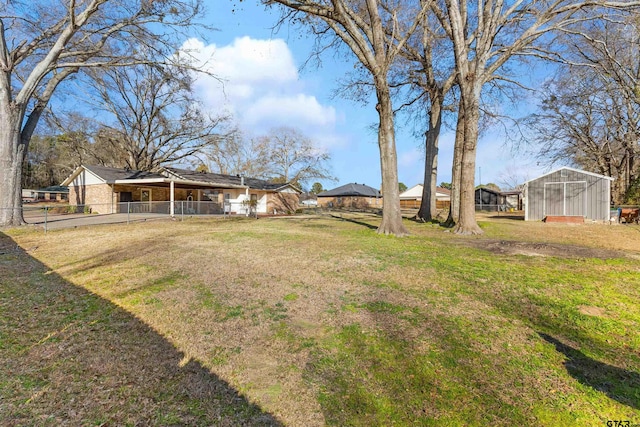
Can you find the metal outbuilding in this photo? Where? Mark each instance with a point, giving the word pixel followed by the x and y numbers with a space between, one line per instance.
pixel 568 192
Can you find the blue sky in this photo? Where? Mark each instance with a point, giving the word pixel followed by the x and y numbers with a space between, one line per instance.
pixel 265 87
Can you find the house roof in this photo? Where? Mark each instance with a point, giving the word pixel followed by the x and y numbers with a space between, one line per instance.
pixel 113 174
pixel 571 169
pixel 351 190
pixel 54 189
pixel 167 174
pixel 228 180
pixel 488 190
pixel 415 192
pixel 209 178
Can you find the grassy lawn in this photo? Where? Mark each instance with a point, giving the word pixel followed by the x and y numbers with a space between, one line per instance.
pixel 320 321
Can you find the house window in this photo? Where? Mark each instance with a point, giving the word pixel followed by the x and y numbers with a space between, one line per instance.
pixel 126 196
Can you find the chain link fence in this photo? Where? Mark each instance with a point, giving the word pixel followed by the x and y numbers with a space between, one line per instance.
pixel 53 216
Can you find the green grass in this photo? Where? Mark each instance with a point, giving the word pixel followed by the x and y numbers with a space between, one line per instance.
pixel 322 321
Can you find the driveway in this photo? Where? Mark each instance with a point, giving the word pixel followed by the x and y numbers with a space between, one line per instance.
pixel 59 221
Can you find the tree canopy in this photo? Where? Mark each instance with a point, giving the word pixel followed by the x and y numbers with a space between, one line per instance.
pixel 43 43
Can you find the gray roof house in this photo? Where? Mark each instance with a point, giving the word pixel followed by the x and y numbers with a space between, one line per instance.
pixel 351 195
pixel 110 190
pixel 353 190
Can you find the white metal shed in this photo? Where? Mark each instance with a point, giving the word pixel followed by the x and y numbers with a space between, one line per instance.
pixel 568 192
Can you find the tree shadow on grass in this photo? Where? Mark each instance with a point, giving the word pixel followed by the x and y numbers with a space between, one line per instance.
pixel 617 383
pixel 68 356
pixel 355 221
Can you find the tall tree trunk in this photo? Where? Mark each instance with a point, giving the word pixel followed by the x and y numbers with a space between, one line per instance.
pixel 11 159
pixel 467 220
pixel 428 209
pixel 454 198
pixel 391 213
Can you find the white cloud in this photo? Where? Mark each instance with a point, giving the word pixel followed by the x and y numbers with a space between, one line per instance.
pixel 258 83
pixel 288 110
pixel 246 60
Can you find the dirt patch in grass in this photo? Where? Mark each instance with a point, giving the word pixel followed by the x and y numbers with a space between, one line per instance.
pixel 616 237
pixel 506 247
pixel 591 310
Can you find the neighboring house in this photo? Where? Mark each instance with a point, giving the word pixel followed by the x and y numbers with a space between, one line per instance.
pixel 568 192
pixel 308 200
pixel 28 195
pixel 513 199
pixel 110 190
pixel 358 196
pixel 411 198
pixel 488 199
pixel 54 193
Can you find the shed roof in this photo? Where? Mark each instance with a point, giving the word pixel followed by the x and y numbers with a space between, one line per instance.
pixel 571 169
pixel 351 190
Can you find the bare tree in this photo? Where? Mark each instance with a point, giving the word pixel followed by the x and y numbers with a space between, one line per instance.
pixel 44 43
pixel 153 116
pixel 485 35
pixel 283 155
pixel 590 112
pixel 361 26
pixel 432 74
pixel 513 178
pixel 294 158
pixel 234 154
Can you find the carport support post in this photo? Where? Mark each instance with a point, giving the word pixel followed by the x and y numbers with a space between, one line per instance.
pixel 171 198
pixel 246 198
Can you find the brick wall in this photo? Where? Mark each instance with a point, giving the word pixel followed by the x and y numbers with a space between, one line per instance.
pixel 99 197
pixel 282 203
pixel 350 202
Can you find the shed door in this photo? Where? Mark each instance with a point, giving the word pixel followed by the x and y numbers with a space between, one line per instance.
pixel 553 199
pixel 565 198
pixel 576 198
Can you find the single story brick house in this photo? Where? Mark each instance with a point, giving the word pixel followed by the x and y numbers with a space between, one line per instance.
pixel 412 197
pixel 171 190
pixel 358 196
